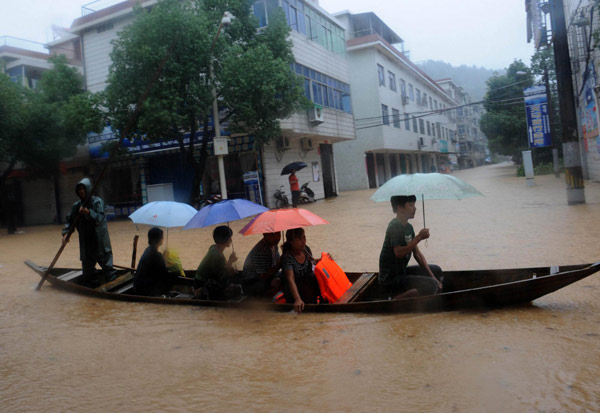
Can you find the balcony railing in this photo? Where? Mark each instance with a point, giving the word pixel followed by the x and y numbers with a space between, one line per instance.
pixel 22 44
pixel 97 5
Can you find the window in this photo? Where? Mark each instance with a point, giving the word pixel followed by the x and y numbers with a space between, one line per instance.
pixel 430 103
pixel 406 122
pixel 433 129
pixel 421 126
pixel 428 128
pixel 381 75
pixel 385 115
pixel 306 20
pixel 439 127
pixel 323 89
pixel 411 92
pixel 425 99
pixel 415 127
pixel 403 87
pixel 392 79
pixel 396 118
pixel 418 97
pixel 435 104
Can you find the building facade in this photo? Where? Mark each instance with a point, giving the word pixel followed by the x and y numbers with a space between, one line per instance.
pixel 582 20
pixel 307 136
pixel 403 117
pixel 472 143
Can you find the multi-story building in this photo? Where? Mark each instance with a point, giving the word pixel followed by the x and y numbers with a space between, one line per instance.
pixel 472 143
pixel 581 18
pixel 403 121
pixel 319 50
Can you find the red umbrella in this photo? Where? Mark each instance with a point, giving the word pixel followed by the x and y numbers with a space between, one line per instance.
pixel 280 220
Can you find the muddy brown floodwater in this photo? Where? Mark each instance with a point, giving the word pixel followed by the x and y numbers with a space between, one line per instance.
pixel 63 352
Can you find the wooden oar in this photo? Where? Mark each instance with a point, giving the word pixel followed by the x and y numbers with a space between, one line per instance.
pixel 135 241
pixel 130 123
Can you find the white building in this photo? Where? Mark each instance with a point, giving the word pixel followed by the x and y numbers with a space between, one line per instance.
pixel 403 124
pixel 319 49
pixel 472 143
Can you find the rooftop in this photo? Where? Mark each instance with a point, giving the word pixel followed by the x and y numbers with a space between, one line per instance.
pixel 14 44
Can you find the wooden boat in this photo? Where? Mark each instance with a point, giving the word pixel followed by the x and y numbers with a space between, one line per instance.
pixel 462 290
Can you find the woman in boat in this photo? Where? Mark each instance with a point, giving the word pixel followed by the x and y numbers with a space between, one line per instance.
pixel 299 282
pixel 152 277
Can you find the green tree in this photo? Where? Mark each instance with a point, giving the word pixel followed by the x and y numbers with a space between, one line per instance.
pixel 504 122
pixel 40 127
pixel 252 76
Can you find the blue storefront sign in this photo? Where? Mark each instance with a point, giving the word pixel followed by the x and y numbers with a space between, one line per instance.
pixel 99 144
pixel 538 119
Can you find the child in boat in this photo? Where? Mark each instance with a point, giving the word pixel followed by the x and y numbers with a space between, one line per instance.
pixel 152 277
pixel 399 244
pixel 214 274
pixel 299 282
pixel 261 275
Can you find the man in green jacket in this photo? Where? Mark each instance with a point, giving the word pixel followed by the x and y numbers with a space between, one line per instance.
pixel 94 242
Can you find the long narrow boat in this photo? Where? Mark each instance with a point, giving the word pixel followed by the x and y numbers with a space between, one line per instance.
pixel 462 290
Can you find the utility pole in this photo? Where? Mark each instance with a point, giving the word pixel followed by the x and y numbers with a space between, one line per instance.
pixel 568 115
pixel 551 119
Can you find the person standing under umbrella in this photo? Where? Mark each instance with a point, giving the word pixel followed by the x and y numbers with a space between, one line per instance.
pixel 294 188
pixel 399 244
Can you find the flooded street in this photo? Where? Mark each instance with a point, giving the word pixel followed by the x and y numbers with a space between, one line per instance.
pixel 63 352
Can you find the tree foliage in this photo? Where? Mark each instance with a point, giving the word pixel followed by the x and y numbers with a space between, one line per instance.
pixel 40 127
pixel 178 39
pixel 504 122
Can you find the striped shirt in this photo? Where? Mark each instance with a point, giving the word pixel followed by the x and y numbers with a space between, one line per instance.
pixel 260 260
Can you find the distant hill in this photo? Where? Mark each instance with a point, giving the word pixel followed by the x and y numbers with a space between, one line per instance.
pixel 471 78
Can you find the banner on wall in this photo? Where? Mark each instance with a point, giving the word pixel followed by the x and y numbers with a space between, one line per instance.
pixel 589 111
pixel 538 119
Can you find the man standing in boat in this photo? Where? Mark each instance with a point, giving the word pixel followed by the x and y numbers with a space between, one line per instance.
pixel 399 244
pixel 94 242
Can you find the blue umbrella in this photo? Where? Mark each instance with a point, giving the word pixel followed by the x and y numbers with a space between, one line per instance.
pixel 294 166
pixel 224 211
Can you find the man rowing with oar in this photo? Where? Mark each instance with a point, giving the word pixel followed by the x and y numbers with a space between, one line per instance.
pixel 94 242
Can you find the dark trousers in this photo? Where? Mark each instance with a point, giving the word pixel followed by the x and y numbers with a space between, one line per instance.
pixel 417 277
pixel 295 198
pixel 91 277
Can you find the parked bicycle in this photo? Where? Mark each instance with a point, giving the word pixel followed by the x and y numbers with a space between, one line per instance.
pixel 281 199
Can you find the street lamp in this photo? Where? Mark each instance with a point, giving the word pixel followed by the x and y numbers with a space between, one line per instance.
pixel 219 144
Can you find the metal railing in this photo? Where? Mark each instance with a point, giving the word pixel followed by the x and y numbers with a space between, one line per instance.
pixel 23 44
pixel 97 5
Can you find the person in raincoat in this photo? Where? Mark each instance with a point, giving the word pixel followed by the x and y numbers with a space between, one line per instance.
pixel 94 242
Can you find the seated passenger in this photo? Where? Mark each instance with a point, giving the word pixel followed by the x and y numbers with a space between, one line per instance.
pixel 399 244
pixel 300 284
pixel 214 274
pixel 262 266
pixel 152 276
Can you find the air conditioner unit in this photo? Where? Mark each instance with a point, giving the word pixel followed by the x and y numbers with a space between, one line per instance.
pixel 307 144
pixel 315 114
pixel 433 141
pixel 283 143
pixel 405 100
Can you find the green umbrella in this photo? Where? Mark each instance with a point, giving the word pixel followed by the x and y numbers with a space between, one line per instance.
pixel 427 186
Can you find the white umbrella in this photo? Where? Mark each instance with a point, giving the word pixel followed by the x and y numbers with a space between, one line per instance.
pixel 166 214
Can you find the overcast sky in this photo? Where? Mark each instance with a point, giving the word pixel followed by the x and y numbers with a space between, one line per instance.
pixel 488 33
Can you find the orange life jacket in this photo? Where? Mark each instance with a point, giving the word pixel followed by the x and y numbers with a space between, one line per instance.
pixel 333 281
